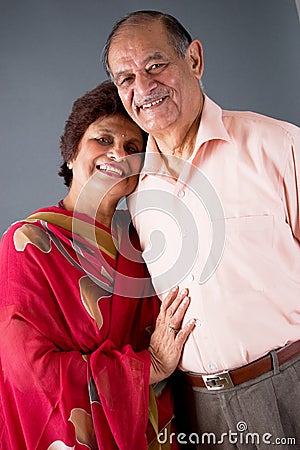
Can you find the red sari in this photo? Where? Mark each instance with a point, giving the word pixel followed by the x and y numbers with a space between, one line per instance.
pixel 75 365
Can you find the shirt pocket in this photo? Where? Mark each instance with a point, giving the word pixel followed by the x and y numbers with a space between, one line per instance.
pixel 249 252
pixel 253 230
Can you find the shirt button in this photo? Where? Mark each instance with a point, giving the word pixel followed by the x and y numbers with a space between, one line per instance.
pixel 212 367
pixel 181 194
pixel 190 277
pixel 197 323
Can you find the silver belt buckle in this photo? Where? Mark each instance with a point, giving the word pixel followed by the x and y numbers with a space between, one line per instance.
pixel 217 381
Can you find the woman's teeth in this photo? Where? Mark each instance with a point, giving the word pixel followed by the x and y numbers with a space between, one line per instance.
pixel 107 168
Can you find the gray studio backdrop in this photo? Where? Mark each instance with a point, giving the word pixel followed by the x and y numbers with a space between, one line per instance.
pixel 50 55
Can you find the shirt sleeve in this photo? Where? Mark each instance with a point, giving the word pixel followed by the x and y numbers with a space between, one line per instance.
pixel 291 185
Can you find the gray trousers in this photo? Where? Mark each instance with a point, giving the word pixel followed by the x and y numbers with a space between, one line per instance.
pixel 263 413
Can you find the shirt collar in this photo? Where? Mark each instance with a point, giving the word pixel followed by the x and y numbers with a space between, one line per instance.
pixel 211 128
pixel 211 125
pixel 153 161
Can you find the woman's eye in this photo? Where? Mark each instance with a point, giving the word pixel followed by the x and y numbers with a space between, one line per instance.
pixel 132 149
pixel 103 140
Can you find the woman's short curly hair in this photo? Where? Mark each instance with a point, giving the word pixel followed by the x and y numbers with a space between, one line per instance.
pixel 101 101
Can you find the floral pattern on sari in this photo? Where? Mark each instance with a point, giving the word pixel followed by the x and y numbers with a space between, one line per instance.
pixel 73 353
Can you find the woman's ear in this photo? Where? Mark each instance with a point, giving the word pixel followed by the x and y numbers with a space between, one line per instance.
pixel 194 57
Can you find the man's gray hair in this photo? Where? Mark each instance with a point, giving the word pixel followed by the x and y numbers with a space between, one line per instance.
pixel 179 37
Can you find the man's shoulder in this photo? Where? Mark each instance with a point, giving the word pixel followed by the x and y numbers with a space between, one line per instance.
pixel 259 123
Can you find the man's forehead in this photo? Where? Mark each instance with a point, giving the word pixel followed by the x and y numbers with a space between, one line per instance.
pixel 130 49
pixel 140 26
pixel 130 35
pixel 146 58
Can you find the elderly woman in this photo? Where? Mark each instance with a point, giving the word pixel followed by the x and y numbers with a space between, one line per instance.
pixel 78 352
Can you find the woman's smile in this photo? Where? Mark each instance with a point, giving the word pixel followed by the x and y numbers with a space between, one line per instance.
pixel 111 170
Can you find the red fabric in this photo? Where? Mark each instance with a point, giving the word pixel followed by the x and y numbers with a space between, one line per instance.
pixel 75 372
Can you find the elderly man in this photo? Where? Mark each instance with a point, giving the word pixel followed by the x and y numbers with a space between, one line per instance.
pixel 230 181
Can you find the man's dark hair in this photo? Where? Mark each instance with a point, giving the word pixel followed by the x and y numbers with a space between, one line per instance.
pixel 179 37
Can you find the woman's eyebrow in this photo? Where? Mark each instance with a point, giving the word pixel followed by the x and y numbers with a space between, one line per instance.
pixel 105 130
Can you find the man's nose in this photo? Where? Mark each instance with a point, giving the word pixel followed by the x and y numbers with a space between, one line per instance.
pixel 144 82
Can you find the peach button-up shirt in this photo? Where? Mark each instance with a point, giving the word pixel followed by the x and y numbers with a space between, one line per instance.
pixel 229 230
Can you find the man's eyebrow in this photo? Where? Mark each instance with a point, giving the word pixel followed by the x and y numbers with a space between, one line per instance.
pixel 153 57
pixel 120 74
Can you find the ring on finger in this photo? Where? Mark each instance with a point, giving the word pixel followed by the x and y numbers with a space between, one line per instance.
pixel 172 329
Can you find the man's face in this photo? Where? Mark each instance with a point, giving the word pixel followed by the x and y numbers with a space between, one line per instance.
pixel 159 89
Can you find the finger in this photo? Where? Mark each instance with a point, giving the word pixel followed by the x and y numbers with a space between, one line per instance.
pixel 184 333
pixel 178 314
pixel 174 302
pixel 178 300
pixel 169 298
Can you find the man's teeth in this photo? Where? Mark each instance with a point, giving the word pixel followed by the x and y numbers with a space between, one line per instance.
pixel 148 105
pixel 105 168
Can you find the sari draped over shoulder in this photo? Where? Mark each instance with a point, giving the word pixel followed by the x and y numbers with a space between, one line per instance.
pixel 74 339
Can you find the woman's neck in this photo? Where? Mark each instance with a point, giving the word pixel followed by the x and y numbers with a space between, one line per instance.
pixel 102 213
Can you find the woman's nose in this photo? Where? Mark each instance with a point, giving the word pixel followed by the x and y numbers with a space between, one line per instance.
pixel 117 153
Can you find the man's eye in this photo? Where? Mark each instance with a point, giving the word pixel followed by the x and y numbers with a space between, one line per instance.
pixel 126 81
pixel 157 67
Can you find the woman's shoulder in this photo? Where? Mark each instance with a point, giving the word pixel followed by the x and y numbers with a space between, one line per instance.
pixel 27 228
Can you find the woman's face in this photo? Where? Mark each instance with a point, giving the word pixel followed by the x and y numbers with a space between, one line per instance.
pixel 108 147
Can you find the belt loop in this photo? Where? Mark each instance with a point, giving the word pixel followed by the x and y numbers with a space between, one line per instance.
pixel 275 363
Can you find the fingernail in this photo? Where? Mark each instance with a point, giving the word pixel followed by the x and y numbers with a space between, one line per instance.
pixel 185 300
pixel 183 292
pixel 194 322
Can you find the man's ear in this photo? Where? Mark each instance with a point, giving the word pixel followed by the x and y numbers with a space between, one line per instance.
pixel 194 56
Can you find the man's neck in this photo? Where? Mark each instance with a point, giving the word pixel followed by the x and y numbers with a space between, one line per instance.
pixel 174 164
pixel 180 143
pixel 176 149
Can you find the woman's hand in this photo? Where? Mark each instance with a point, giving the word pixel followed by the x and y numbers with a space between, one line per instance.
pixel 168 337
